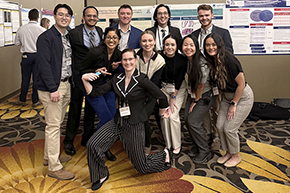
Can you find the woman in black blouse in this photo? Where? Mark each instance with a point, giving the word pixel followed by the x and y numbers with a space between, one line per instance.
pixel 174 87
pixel 237 96
pixel 128 124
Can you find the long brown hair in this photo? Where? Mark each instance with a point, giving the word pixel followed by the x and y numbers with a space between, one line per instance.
pixel 218 71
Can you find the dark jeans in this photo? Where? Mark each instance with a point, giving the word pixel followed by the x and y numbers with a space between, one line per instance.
pixel 28 67
pixel 74 115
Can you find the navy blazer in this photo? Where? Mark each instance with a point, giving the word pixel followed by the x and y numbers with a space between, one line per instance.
pixel 134 36
pixel 49 60
pixel 79 51
pixel 224 33
pixel 134 95
pixel 172 31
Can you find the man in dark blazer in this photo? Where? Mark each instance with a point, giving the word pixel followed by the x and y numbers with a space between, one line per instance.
pixel 53 73
pixel 162 26
pixel 130 34
pixel 80 39
pixel 205 15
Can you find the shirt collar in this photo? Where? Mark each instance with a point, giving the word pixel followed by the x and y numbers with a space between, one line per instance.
pixel 208 31
pixel 160 28
pixel 129 29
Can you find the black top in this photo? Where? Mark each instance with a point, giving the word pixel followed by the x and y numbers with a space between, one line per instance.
pixel 174 70
pixel 97 58
pixel 134 95
pixel 233 68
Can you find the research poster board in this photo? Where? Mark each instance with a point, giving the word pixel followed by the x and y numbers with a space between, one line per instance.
pixel 45 13
pixel 9 22
pixel 259 27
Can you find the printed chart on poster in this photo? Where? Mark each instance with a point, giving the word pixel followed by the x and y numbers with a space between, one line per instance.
pixel 259 26
pixel 9 22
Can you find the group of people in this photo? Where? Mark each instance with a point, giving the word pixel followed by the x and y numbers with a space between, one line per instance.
pixel 125 75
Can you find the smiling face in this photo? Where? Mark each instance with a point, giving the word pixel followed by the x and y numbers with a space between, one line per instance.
pixel 211 47
pixel 128 61
pixel 188 47
pixel 162 17
pixel 125 16
pixel 91 17
pixel 147 42
pixel 205 18
pixel 170 47
pixel 62 18
pixel 111 40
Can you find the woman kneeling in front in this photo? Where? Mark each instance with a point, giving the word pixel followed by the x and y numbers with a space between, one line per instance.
pixel 128 123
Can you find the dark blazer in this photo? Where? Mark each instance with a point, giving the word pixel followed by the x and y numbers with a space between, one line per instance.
pixel 49 60
pixel 224 33
pixel 134 36
pixel 97 58
pixel 172 30
pixel 134 95
pixel 79 51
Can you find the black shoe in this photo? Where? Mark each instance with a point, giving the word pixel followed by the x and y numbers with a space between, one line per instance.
pixel 193 152
pixel 69 149
pixel 176 155
pixel 97 185
pixel 168 164
pixel 110 156
pixel 202 157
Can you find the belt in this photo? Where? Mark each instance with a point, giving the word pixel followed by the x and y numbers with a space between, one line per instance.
pixel 65 79
pixel 25 53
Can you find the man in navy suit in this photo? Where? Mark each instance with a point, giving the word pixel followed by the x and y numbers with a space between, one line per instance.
pixel 80 44
pixel 162 26
pixel 205 15
pixel 130 34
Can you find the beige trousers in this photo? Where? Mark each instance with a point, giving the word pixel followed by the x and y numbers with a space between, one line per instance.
pixel 54 113
pixel 171 127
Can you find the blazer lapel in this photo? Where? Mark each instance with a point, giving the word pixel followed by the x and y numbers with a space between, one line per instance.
pixel 132 84
pixel 121 84
pixel 81 35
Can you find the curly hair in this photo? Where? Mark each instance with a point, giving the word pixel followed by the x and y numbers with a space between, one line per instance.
pixel 218 71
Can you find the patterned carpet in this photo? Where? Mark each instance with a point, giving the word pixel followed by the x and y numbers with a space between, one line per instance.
pixel 265 165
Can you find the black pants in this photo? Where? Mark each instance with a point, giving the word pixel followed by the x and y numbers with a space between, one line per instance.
pixel 74 115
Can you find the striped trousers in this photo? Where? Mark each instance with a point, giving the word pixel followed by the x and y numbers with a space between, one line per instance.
pixel 228 130
pixel 133 139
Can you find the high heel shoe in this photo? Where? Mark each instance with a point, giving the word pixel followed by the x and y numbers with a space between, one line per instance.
pixel 167 165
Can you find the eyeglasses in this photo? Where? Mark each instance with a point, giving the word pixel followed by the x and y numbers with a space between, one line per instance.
pixel 63 15
pixel 162 13
pixel 129 59
pixel 112 38
pixel 94 16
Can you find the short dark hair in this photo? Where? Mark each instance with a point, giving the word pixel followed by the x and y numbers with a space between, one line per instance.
pixel 205 7
pixel 125 6
pixel 33 14
pixel 155 14
pixel 90 7
pixel 129 50
pixel 112 29
pixel 69 10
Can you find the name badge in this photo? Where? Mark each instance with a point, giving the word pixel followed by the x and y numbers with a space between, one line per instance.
pixel 124 111
pixel 215 90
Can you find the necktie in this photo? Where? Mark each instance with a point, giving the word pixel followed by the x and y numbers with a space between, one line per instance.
pixel 92 40
pixel 163 33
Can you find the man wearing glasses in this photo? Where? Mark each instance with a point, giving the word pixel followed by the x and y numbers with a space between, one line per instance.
pixel 53 74
pixel 162 26
pixel 82 38
pixel 130 34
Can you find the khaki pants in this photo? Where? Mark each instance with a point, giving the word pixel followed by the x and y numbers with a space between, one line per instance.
pixel 54 113
pixel 171 127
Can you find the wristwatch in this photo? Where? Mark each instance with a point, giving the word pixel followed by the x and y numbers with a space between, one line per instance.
pixel 173 96
pixel 233 103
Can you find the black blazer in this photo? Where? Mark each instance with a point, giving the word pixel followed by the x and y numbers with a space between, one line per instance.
pixel 79 51
pixel 97 58
pixel 172 30
pixel 49 60
pixel 134 95
pixel 224 33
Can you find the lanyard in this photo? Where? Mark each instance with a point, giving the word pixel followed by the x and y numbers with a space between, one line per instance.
pixel 148 63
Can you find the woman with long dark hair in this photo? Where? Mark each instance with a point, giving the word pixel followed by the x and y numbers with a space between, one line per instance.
pixel 174 87
pixel 105 55
pixel 200 97
pixel 237 96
